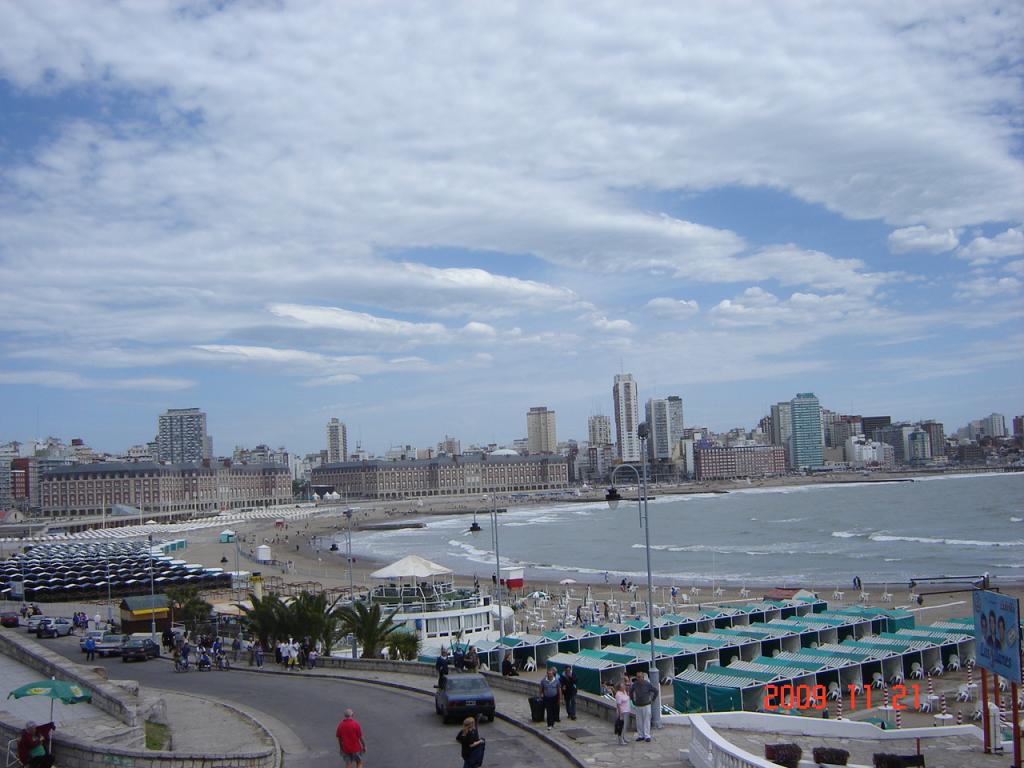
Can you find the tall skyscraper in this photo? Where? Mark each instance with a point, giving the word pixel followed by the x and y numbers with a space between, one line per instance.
pixel 936 437
pixel 665 418
pixel 871 423
pixel 807 444
pixel 181 436
pixel 599 430
pixel 782 426
pixel 540 430
pixel 627 444
pixel 337 442
pixel 994 425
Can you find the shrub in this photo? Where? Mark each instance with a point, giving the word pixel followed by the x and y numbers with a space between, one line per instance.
pixel 883 760
pixel 787 755
pixel 831 755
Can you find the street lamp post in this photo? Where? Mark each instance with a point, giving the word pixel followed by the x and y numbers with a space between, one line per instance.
pixel 613 499
pixel 475 529
pixel 110 605
pixel 152 594
pixel 351 583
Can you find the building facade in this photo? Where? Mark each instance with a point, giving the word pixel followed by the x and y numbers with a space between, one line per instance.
pixel 337 441
pixel 719 463
pixel 599 430
pixel 665 420
pixel 627 443
pixel 807 439
pixel 444 476
pixel 161 490
pixel 181 436
pixel 540 431
pixel 782 426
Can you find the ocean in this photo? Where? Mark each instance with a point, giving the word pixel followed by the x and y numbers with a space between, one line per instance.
pixel 820 535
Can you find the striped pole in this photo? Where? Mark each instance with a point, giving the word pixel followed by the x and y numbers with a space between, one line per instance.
pixel 1004 720
pixel 959 717
pixel 931 686
pixel 899 719
pixel 970 675
pixel 942 704
pixel 885 697
pixel 839 707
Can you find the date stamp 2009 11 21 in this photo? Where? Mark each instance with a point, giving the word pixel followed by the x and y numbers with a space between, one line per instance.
pixel 804 697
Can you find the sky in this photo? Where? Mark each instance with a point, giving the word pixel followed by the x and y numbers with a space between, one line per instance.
pixel 425 218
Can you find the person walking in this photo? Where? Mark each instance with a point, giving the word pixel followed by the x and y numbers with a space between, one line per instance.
pixel 258 655
pixel 442 668
pixel 569 689
pixel 350 739
pixel 643 695
pixel 90 648
pixel 472 744
pixel 551 694
pixel 622 705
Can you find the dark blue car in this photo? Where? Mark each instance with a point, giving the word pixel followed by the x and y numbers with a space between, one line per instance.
pixel 463 695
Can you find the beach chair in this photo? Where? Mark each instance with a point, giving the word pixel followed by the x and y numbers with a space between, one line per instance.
pixel 925 707
pixel 11 758
pixel 976 715
pixel 833 692
pixel 938 669
pixel 886 595
pixel 915 671
pixel 531 664
pixel 719 591
pixel 865 596
pixel 877 681
pixel 1003 685
pixel 896 679
pixel 963 693
pixel 954 664
pixel 744 592
pixel 838 594
pixel 695 591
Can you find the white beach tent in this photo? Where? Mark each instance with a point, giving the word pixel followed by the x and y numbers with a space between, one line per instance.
pixel 411 567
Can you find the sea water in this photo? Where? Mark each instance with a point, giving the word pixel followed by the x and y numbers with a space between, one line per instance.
pixel 819 535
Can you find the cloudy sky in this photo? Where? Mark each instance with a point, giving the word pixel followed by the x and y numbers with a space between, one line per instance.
pixel 424 218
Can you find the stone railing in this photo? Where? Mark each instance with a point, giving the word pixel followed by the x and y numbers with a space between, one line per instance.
pixel 709 750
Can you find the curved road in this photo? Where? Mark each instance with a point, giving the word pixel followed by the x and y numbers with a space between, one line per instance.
pixel 400 728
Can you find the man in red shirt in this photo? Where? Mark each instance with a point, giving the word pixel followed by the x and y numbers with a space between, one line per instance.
pixel 350 738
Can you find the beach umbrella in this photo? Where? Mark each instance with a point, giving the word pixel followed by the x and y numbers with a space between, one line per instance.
pixel 69 693
pixel 567 581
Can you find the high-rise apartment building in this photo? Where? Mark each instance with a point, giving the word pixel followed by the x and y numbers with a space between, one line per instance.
pixel 337 441
pixel 807 443
pixel 782 426
pixel 872 423
pixel 994 425
pixel 665 419
pixel 936 437
pixel 627 443
pixel 540 430
pixel 1018 426
pixel 181 436
pixel 599 430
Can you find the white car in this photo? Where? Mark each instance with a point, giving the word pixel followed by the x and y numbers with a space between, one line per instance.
pixel 59 627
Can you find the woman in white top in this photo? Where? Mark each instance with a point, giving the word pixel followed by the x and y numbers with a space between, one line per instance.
pixel 622 705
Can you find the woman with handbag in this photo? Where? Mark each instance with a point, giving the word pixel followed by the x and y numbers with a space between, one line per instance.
pixel 472 744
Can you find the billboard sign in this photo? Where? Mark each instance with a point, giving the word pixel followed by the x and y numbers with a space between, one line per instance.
pixel 997 633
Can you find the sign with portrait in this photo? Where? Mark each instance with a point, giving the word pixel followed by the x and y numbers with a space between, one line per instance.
pixel 997 633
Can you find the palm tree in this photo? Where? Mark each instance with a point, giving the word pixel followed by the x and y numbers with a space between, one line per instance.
pixel 188 606
pixel 367 626
pixel 265 617
pixel 404 645
pixel 315 616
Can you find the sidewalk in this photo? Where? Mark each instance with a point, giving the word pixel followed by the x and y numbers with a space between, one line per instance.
pixel 589 739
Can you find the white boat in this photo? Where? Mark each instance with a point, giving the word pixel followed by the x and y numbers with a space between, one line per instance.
pixel 430 604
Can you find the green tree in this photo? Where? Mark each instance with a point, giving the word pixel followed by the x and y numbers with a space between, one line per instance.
pixel 187 606
pixel 264 617
pixel 404 645
pixel 370 629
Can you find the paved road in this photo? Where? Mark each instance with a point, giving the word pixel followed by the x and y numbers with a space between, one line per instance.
pixel 401 728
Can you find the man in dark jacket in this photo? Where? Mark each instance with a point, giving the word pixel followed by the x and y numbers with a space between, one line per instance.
pixel 442 668
pixel 569 688
pixel 644 695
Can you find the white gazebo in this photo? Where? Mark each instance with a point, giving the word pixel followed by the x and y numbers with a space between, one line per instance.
pixel 411 567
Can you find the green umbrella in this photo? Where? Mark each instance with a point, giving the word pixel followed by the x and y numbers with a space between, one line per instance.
pixel 69 693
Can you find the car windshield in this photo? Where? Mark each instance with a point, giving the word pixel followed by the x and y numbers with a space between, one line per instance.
pixel 467 684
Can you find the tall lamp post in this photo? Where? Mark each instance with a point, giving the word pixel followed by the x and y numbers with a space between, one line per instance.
pixel 351 583
pixel 475 530
pixel 613 498
pixel 152 594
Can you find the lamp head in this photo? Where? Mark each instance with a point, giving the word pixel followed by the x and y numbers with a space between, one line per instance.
pixel 642 430
pixel 613 498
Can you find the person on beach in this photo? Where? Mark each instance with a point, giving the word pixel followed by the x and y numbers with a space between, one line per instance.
pixel 643 695
pixel 551 694
pixel 569 689
pixel 34 745
pixel 350 739
pixel 471 743
pixel 622 705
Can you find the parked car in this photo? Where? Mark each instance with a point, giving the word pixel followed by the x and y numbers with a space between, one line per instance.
pixel 55 627
pixel 33 621
pixel 464 694
pixel 109 644
pixel 9 619
pixel 140 648
pixel 95 634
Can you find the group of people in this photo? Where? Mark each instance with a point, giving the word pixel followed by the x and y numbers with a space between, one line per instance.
pixel 467 660
pixel 555 688
pixel 639 695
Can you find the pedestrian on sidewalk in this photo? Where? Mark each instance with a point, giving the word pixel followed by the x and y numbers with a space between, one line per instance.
pixel 622 705
pixel 472 744
pixel 350 739
pixel 569 689
pixel 551 694
pixel 643 694
pixel 442 668
pixel 258 654
pixel 90 648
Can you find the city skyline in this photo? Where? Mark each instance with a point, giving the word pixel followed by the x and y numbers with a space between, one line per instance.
pixel 429 227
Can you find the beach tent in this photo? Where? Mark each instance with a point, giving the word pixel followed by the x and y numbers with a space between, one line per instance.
pixel 138 612
pixel 411 567
pixel 593 673
pixel 263 554
pixel 705 692
pixel 227 536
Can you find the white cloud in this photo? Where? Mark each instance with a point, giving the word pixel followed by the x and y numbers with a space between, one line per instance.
pixel 338 319
pixel 986 250
pixel 69 380
pixel 919 238
pixel 675 309
pixel 987 288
